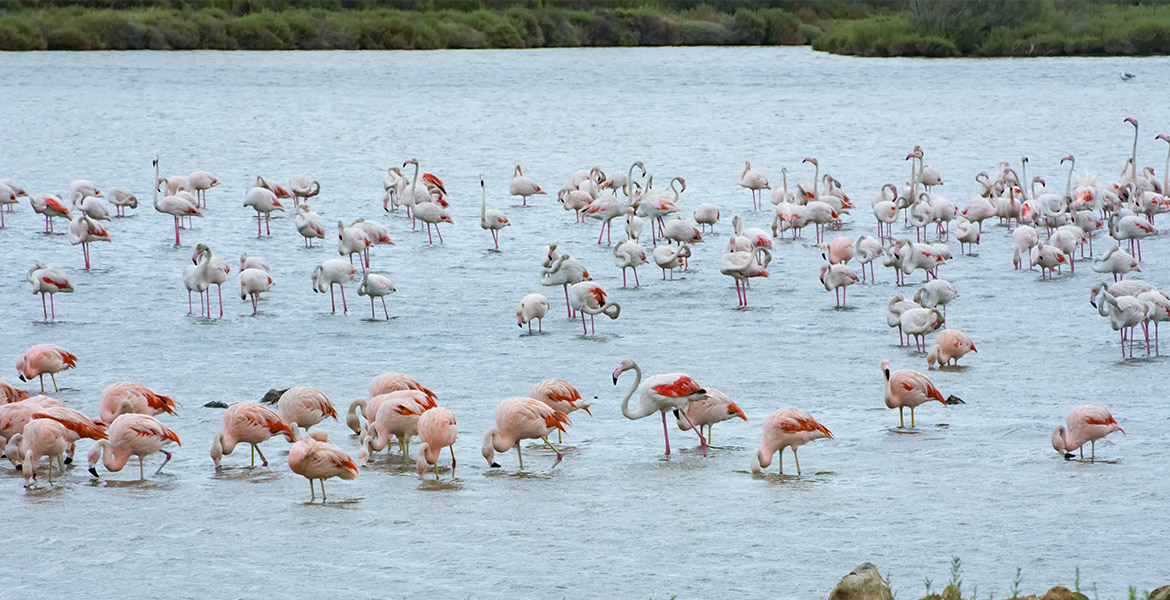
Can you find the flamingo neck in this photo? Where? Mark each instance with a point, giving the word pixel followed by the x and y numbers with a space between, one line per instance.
pixel 626 412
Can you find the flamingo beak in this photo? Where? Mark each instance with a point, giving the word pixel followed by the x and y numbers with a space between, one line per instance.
pixel 732 409
pixel 973 348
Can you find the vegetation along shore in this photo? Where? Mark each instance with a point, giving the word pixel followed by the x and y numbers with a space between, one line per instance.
pixel 864 28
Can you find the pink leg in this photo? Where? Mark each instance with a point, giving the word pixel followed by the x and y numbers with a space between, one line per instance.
pixel 584 328
pixel 189 305
pixel 45 309
pixel 176 231
pixel 267 230
pixel 568 306
pixel 344 307
pixel 665 433
pixel 219 288
pixel 430 240
pixel 702 440
pixel 636 283
pixel 253 304
pixel 440 233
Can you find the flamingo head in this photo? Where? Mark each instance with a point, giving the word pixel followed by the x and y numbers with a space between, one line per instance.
pixel 481 180
pixel 732 409
pixel 625 365
pixel 1163 137
pixel 1067 157
pixel 1131 121
pixel 446 218
pixel 413 161
pixel 809 160
pixel 886 368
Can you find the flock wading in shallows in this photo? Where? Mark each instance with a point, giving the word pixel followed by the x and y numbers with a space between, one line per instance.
pixel 1123 209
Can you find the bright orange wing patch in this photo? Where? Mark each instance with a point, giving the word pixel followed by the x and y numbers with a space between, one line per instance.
pixel 683 386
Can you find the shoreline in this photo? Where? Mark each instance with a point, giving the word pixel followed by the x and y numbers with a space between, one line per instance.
pixel 870 29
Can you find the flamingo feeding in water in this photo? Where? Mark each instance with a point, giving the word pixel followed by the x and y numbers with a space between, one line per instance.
pixel 908 388
pixel 247 423
pixel 313 457
pixel 127 397
pixel 786 428
pixel 660 393
pixel 333 272
pixel 533 307
pixel 520 418
pixel 1086 423
pixel 44 358
pixel 132 435
pixel 374 286
pixel 716 408
pixel 436 430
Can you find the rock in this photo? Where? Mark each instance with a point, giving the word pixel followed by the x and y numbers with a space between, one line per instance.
pixel 215 404
pixel 1162 593
pixel 1062 593
pixel 863 583
pixel 273 395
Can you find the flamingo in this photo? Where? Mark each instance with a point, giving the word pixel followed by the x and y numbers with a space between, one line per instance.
pixel 44 358
pixel 1085 423
pixel 491 220
pixel 247 423
pixel 352 240
pixel 50 206
pixel 436 430
pixel 302 188
pixel 838 278
pixel 660 393
pixel 92 206
pixel 303 406
pixel 706 214
pixel 1158 310
pixel 374 286
pixel 46 280
pixel 786 428
pixel 396 413
pixel 949 344
pixel 127 397
pixel 520 418
pixel 670 258
pixel 782 195
pixel 432 214
pixel 532 307
pixel 200 182
pixel 936 292
pixel 1132 228
pixel 9 394
pixel 563 270
pixel 14 416
pixel 264 201
pixel 629 254
pixel 895 308
pixel 716 408
pixel 867 249
pixel 1125 313
pixel 309 224
pixel 634 224
pixel 177 208
pixel 523 186
pixel 42 437
pixel 918 322
pixel 252 282
pixel 590 299
pixel 253 262
pixel 754 181
pixel 380 386
pixel 886 212
pixel 393 183
pixel 84 230
pixel 838 251
pixel 1047 258
pixel 742 266
pixel 313 457
pixel 605 209
pixel 211 271
pixel 1116 261
pixel 560 395
pixel 376 233
pixel 77 426
pixel 1024 238
pixel 966 234
pixel 132 435
pixel 333 272
pixel 575 200
pixel 655 205
pixel 908 388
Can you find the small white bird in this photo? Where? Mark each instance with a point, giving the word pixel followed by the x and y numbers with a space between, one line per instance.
pixel 1126 76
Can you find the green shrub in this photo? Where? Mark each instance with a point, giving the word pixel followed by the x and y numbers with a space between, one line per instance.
pixel 1151 38
pixel 702 33
pixel 67 39
pixel 19 34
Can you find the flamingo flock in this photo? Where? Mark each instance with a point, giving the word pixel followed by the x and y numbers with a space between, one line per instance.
pixel 1050 230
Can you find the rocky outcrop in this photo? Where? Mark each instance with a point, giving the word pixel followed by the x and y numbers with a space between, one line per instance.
pixel 863 583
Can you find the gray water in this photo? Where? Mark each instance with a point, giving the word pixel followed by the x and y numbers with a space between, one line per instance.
pixel 616 518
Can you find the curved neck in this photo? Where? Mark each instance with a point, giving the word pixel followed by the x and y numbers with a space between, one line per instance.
pixel 630 182
pixel 156 182
pixel 414 180
pixel 483 206
pixel 676 191
pixel 626 412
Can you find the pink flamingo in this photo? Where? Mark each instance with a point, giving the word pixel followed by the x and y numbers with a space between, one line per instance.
pixel 786 428
pixel 755 182
pixel 247 423
pixel 42 437
pixel 1086 423
pixel 177 208
pixel 381 385
pixel 45 280
pixel 265 202
pixel 560 395
pixel 660 393
pixel 589 298
pixel 78 424
pixel 715 409
pixel 436 430
pixel 84 230
pixel 132 398
pixel 397 414
pixel 838 278
pixel 313 457
pixel 50 206
pixel 9 394
pixel 303 406
pixel 906 387
pixel 131 435
pixel 44 358
pixel 521 418
pixel 949 344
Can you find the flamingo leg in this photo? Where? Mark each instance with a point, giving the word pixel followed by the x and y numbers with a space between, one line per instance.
pixel 312 491
pixel 702 440
pixel 554 449
pixel 268 231
pixel 45 309
pixel 430 240
pixel 322 491
pixel 636 282
pixel 385 311
pixel 332 301
pixel 263 460
pixel 53 376
pixel 797 459
pixel 665 433
pixel 440 233
pixel 901 421
pixel 344 306
pixel 911 417
pixel 219 290
pixel 519 456
pixel 176 231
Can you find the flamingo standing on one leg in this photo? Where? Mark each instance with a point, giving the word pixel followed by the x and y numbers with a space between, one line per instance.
pixel 786 428
pixel 660 393
pixel 520 418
